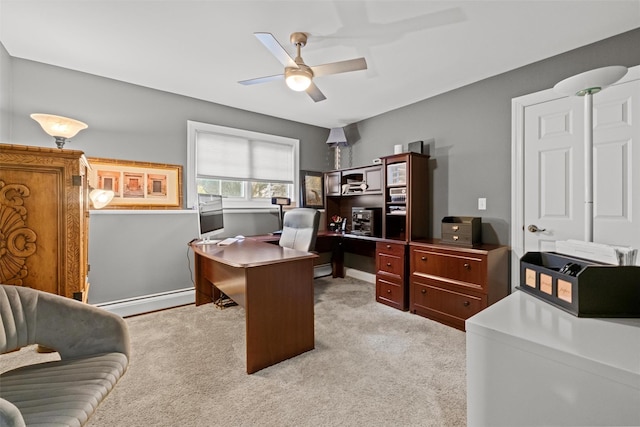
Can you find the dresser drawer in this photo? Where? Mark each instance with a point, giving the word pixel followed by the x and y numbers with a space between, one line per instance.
pixel 458 238
pixel 391 264
pixel 449 265
pixel 390 248
pixel 390 293
pixel 445 305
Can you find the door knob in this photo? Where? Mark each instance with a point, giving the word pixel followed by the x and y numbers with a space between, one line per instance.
pixel 533 228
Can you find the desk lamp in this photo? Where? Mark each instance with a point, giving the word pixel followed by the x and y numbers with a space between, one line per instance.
pixel 337 139
pixel 280 201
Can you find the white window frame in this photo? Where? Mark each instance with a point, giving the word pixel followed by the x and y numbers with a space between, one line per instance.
pixel 193 128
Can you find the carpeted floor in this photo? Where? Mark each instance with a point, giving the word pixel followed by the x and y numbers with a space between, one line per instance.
pixel 372 365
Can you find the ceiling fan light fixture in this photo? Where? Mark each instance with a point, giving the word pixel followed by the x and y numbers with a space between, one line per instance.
pixel 298 79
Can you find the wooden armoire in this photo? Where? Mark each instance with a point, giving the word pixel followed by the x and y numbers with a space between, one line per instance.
pixel 44 219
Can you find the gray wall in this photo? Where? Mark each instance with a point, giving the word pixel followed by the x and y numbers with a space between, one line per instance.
pixel 471 128
pixel 150 256
pixel 5 98
pixel 132 122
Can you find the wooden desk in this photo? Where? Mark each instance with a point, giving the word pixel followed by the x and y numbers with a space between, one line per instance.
pixel 337 244
pixel 275 287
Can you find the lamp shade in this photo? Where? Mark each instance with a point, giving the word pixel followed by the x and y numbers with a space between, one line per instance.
pixel 337 137
pixel 100 198
pixel 61 128
pixel 592 81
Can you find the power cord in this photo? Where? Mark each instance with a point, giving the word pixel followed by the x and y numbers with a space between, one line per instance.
pixel 189 263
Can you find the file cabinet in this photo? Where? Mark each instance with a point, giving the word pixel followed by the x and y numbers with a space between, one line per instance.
pixel 449 284
pixel 391 275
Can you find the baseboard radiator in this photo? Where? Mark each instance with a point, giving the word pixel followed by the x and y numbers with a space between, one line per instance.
pixel 164 300
pixel 148 303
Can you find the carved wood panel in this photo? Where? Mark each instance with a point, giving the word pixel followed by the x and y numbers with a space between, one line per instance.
pixel 43 219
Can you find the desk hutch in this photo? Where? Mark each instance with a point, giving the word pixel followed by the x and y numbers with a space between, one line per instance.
pixel 457 282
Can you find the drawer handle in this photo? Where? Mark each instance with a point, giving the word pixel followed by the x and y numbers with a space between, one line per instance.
pixel 455 237
pixel 424 291
pixel 388 291
pixel 466 303
pixel 467 266
pixel 423 258
pixel 388 264
pixel 455 228
pixel 388 246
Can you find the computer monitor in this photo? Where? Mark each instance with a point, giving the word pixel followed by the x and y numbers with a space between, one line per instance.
pixel 210 215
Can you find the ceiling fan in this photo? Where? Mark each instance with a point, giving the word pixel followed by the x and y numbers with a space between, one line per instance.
pixel 298 75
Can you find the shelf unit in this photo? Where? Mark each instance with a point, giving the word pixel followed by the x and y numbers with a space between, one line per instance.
pixel 344 191
pixel 406 198
pixel 399 187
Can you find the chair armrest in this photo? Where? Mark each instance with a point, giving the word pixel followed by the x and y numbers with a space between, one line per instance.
pixel 10 416
pixel 76 329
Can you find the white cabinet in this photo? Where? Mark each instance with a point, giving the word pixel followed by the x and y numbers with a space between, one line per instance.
pixel 530 363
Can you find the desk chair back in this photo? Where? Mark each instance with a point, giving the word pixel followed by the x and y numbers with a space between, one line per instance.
pixel 299 229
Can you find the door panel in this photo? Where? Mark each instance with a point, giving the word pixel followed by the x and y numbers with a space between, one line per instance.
pixel 616 117
pixel 554 169
pixel 553 150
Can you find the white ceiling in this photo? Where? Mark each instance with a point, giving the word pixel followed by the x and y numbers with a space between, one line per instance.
pixel 414 49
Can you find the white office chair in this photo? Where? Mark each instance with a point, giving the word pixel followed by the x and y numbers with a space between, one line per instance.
pixel 299 229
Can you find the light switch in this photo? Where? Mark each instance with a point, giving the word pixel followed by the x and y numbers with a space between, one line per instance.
pixel 482 204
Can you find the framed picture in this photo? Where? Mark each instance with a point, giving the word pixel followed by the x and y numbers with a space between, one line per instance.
pixel 137 185
pixel 312 189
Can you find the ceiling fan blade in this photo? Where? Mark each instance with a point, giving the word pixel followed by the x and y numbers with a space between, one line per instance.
pixel 262 80
pixel 276 49
pixel 315 93
pixel 339 67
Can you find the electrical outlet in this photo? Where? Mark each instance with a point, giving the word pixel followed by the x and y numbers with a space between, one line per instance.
pixel 482 204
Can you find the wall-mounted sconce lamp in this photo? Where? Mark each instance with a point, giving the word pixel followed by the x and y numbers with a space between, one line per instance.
pixel 100 198
pixel 61 128
pixel 337 139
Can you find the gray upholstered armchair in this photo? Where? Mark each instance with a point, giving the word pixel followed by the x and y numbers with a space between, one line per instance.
pixel 299 229
pixel 94 349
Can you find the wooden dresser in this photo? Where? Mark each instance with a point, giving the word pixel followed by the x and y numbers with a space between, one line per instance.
pixel 450 284
pixel 44 218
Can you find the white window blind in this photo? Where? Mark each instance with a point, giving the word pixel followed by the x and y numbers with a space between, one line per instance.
pixel 231 157
pixel 223 156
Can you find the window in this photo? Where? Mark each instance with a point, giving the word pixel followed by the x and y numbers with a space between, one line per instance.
pixel 246 168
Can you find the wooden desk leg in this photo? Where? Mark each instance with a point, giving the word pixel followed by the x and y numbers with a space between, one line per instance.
pixel 337 260
pixel 205 291
pixel 279 312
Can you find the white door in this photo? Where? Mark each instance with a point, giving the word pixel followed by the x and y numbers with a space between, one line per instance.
pixel 548 170
pixel 552 186
pixel 616 190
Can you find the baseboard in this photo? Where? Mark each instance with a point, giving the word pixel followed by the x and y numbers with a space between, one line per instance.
pixel 361 275
pixel 148 303
pixel 161 301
